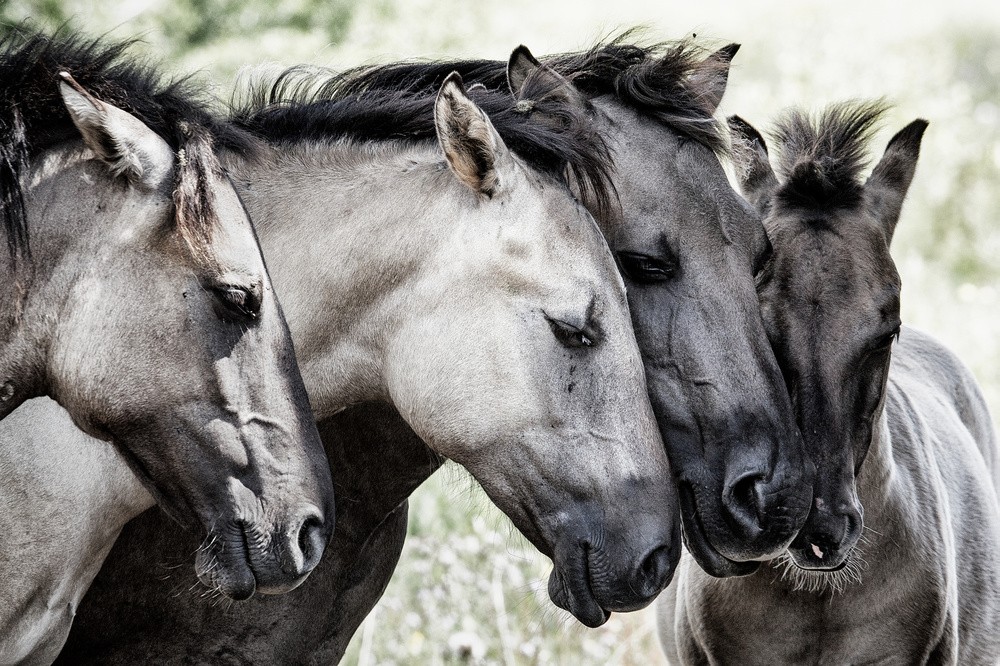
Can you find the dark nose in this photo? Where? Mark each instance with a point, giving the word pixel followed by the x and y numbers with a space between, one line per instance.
pixel 305 542
pixel 829 536
pixel 653 573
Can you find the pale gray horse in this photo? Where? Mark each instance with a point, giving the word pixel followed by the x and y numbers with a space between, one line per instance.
pixel 899 432
pixel 471 291
pixel 687 246
pixel 143 306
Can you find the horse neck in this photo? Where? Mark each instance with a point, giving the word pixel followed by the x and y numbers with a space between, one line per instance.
pixel 348 232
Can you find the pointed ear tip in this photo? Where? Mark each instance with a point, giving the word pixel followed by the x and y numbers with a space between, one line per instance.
pixel 523 51
pixel 453 80
pixel 912 133
pixel 737 124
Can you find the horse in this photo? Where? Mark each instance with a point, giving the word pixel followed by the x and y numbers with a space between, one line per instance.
pixel 135 294
pixel 464 284
pixel 899 431
pixel 691 246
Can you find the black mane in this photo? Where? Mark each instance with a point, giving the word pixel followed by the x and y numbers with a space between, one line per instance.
pixel 821 158
pixel 657 80
pixel 33 117
pixel 309 104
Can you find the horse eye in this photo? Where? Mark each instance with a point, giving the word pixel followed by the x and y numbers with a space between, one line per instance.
pixel 885 342
pixel 242 301
pixel 570 336
pixel 644 268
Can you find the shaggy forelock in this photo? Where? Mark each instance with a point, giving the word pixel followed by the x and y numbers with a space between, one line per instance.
pixel 821 157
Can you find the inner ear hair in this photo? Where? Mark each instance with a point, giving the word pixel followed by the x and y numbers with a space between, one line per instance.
pixel 890 180
pixel 92 119
pixel 751 160
pixel 471 145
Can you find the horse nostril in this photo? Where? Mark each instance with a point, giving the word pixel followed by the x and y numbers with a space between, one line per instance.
pixel 310 541
pixel 744 500
pixel 654 572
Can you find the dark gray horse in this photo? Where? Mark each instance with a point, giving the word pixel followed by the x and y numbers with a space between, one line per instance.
pixel 899 432
pixel 142 305
pixel 688 247
pixel 463 285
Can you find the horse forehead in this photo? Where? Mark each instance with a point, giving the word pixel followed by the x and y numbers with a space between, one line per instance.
pixel 835 273
pixel 233 240
pixel 558 247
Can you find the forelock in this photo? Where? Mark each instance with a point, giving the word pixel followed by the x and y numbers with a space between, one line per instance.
pixel 821 157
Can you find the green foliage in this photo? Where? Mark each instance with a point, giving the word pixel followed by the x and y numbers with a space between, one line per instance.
pixel 961 225
pixel 220 35
pixel 195 23
pixel 470 590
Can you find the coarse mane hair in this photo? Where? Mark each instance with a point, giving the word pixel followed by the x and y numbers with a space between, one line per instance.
pixel 821 157
pixel 33 118
pixel 665 81
pixel 309 104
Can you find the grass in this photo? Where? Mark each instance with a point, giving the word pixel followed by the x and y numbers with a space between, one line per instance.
pixel 470 590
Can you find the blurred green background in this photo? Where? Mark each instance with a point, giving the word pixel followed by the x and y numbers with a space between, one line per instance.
pixel 469 589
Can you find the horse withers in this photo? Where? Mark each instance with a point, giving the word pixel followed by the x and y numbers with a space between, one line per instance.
pixel 135 294
pixel 899 560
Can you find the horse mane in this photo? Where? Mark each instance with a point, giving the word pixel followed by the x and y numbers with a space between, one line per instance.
pixel 820 158
pixel 33 119
pixel 311 104
pixel 663 81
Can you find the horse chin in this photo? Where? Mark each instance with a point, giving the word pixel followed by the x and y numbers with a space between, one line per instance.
pixel 570 590
pixel 224 567
pixel 705 554
pixel 805 560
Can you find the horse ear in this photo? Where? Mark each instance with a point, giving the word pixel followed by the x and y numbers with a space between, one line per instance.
pixel 474 150
pixel 711 76
pixel 753 168
pixel 118 138
pixel 529 79
pixel 520 66
pixel 887 186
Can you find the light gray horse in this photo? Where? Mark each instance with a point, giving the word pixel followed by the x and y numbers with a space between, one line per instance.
pixel 142 305
pixel 468 288
pixel 900 434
